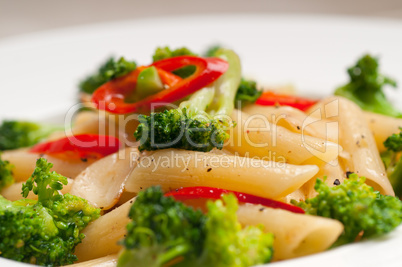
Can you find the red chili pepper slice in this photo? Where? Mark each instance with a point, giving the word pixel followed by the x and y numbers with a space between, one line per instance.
pixel 111 96
pixel 79 146
pixel 272 99
pixel 189 193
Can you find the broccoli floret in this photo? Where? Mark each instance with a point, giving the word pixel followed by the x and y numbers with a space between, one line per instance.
pixel 247 93
pixel 178 128
pixel 226 244
pixel 199 123
pixel 17 134
pixel 394 142
pixel 6 174
pixel 357 206
pixel 166 52
pixel 365 87
pixel 164 231
pixel 393 161
pixel 44 232
pixel 109 70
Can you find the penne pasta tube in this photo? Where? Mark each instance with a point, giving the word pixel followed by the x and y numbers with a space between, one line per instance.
pixel 294 120
pixel 382 127
pixel 107 261
pixel 256 136
pixel 295 234
pixel 296 195
pixel 180 168
pixel 13 192
pixel 331 172
pixel 25 163
pixel 102 183
pixel 102 236
pixel 357 140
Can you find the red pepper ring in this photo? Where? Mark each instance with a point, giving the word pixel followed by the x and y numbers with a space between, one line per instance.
pixel 114 92
pixel 188 193
pixel 79 146
pixel 110 96
pixel 271 99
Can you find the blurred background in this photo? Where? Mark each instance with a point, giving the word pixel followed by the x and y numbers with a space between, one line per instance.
pixel 25 16
pixel 305 43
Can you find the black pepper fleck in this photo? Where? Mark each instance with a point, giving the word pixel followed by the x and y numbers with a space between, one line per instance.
pixel 261 209
pixel 298 127
pixel 210 169
pixel 337 182
pixel 348 174
pixel 84 159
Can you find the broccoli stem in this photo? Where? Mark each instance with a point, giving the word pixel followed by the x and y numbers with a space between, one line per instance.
pixel 227 85
pixel 199 101
pixel 173 254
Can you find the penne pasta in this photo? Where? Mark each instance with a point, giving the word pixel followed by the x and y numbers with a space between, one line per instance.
pixel 332 173
pixel 297 195
pixel 382 127
pixel 357 140
pixel 102 183
pixel 107 261
pixel 102 236
pixel 294 120
pixel 256 136
pixel 25 161
pixel 180 168
pixel 295 234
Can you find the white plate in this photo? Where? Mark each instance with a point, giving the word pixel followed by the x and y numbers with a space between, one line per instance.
pixel 39 72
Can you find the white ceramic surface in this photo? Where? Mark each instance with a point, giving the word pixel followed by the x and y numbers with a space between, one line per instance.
pixel 39 73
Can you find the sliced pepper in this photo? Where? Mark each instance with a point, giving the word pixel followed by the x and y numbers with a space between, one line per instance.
pixel 81 146
pixel 201 192
pixel 273 99
pixel 112 95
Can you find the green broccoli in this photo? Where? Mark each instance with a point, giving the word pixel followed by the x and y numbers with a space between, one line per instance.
pixel 357 206
pixel 164 231
pixel 365 87
pixel 44 232
pixel 166 52
pixel 6 174
pixel 198 124
pixel 109 70
pixel 17 134
pixel 247 93
pixel 393 161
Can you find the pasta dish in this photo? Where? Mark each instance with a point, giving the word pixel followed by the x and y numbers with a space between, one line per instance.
pixel 187 162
